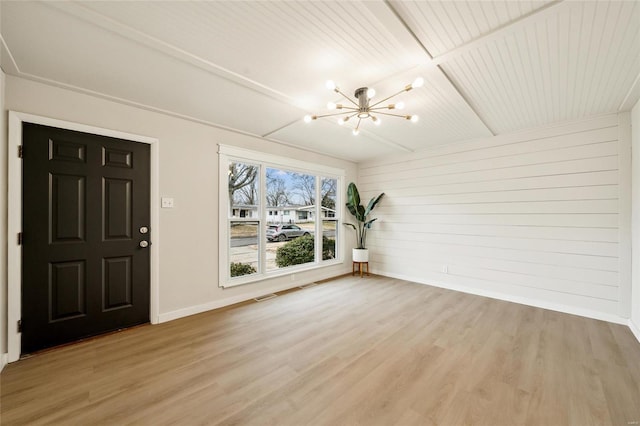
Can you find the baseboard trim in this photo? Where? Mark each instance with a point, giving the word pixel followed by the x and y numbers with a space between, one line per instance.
pixel 635 329
pixel 227 301
pixel 198 309
pixel 515 299
pixel 4 360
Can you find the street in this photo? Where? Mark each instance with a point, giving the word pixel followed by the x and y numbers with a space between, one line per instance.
pixel 247 241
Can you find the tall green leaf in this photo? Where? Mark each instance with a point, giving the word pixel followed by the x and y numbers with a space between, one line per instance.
pixel 353 196
pixel 372 204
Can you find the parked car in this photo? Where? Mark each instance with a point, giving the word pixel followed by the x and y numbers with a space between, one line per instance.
pixel 284 232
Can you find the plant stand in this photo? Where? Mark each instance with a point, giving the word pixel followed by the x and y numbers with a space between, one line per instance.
pixel 360 268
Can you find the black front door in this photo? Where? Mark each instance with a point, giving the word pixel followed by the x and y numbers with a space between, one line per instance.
pixel 85 218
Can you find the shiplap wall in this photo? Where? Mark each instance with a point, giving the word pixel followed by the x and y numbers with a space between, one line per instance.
pixel 3 229
pixel 635 224
pixel 532 217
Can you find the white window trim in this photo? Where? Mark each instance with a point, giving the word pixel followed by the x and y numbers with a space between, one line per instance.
pixel 227 153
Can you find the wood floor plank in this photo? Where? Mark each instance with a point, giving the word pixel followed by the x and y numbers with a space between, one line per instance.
pixel 373 351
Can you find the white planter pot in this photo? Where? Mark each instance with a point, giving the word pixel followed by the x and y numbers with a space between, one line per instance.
pixel 360 255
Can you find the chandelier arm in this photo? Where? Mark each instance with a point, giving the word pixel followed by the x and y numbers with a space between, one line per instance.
pixel 393 115
pixel 386 99
pixel 358 126
pixel 381 108
pixel 330 115
pixel 346 97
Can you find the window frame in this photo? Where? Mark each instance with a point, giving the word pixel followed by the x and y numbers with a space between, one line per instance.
pixel 228 154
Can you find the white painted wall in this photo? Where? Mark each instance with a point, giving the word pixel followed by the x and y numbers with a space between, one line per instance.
pixel 635 223
pixel 534 217
pixel 188 173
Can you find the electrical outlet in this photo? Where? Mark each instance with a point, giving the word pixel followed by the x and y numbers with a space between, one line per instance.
pixel 445 269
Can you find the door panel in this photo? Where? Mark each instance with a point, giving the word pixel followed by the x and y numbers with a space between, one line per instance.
pixel 67 208
pixel 84 199
pixel 117 282
pixel 117 158
pixel 117 209
pixel 67 282
pixel 61 150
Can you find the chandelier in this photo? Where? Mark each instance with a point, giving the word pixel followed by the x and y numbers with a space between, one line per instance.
pixel 362 108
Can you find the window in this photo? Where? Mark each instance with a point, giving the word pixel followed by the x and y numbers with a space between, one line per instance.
pixel 259 238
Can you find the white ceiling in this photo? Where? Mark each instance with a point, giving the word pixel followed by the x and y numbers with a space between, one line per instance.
pixel 258 67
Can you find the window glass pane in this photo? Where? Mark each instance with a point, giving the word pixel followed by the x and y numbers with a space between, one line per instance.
pixel 330 229
pixel 328 191
pixel 243 248
pixel 290 231
pixel 329 238
pixel 243 190
pixel 244 204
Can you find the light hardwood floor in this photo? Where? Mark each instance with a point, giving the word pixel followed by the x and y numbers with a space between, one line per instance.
pixel 372 351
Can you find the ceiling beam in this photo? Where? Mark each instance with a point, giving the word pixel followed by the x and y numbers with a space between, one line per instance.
pixel 455 86
pixel 502 31
pixel 632 95
pixel 9 62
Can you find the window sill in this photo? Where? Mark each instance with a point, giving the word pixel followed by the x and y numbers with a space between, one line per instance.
pixel 257 278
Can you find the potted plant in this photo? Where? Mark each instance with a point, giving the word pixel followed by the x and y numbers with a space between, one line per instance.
pixel 360 253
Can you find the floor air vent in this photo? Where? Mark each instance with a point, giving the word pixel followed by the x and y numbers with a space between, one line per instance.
pixel 265 297
pixel 308 285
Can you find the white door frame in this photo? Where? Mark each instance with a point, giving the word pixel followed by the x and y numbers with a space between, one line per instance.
pixel 14 206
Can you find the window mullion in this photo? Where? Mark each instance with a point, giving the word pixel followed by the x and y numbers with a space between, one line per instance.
pixel 223 211
pixel 319 221
pixel 262 247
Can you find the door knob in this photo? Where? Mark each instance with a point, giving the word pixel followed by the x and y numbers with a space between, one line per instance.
pixel 144 243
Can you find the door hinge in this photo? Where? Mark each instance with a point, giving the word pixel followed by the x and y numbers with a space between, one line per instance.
pixel 19 326
pixel 20 238
pixel 20 151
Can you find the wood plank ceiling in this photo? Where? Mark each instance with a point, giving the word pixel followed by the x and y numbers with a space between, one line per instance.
pixel 490 67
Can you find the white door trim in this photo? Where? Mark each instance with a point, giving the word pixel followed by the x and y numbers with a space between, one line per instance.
pixel 14 226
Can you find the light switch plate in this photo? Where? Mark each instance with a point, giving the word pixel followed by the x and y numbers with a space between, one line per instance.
pixel 167 203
